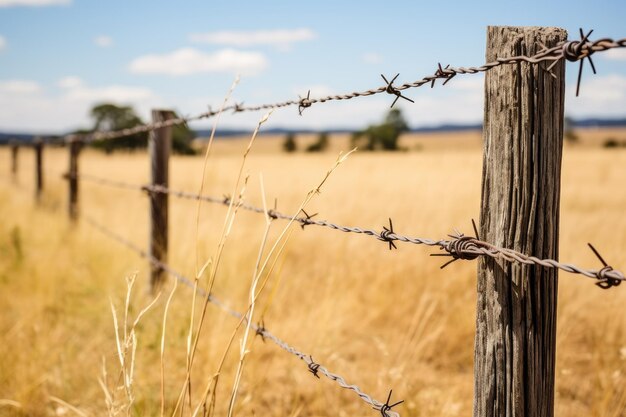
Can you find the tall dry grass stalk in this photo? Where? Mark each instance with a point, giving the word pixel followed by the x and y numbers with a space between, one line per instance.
pixel 275 252
pixel 384 319
pixel 200 270
pixel 126 344
pixel 215 260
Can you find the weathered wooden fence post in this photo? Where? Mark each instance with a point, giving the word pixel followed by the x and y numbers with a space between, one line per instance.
pixel 75 144
pixel 516 310
pixel 38 144
pixel 159 145
pixel 14 154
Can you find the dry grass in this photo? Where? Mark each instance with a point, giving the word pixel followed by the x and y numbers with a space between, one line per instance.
pixel 382 319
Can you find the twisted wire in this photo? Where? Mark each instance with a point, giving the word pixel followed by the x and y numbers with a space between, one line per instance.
pixel 458 246
pixel 573 50
pixel 260 330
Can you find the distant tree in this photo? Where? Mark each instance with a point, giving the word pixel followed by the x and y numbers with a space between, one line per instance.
pixel 383 136
pixel 396 119
pixel 289 145
pixel 320 145
pixel 182 137
pixel 110 117
pixel 569 134
pixel 614 143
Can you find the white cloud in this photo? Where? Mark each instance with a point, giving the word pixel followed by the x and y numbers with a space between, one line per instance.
pixel 70 82
pixel 280 38
pixel 103 41
pixel 188 61
pixel 372 58
pixel 112 93
pixel 3 42
pixel 34 3
pixel 28 107
pixel 618 54
pixel 600 96
pixel 19 87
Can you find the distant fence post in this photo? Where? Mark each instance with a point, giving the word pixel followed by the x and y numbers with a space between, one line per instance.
pixel 38 145
pixel 516 311
pixel 14 154
pixel 75 144
pixel 159 146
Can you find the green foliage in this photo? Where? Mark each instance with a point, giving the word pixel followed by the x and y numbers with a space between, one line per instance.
pixel 320 145
pixel 182 137
pixel 110 117
pixel 289 145
pixel 383 136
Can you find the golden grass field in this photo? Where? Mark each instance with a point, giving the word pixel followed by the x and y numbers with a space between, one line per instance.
pixel 382 319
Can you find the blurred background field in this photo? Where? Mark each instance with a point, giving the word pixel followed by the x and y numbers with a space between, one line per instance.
pixel 382 319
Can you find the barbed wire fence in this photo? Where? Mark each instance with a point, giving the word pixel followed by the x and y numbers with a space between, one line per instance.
pixel 457 246
pixel 572 51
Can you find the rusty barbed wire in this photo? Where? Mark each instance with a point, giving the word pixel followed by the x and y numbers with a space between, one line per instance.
pixel 572 51
pixel 459 246
pixel 259 329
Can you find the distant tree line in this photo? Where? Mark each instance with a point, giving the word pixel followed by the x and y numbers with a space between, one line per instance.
pixel 290 145
pixel 382 136
pixel 111 117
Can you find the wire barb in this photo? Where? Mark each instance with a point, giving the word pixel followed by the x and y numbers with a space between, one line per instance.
pixel 387 235
pixel 307 220
pixel 304 102
pixel 572 52
pixel 605 282
pixel 460 247
pixel 444 73
pixel 386 407
pixel 273 213
pixel 238 107
pixel 390 89
pixel 314 367
pixel 260 330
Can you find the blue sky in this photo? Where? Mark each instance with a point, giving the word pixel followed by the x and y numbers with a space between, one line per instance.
pixel 60 57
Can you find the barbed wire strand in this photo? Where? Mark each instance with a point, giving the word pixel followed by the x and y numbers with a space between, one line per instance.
pixel 260 330
pixel 573 50
pixel 458 247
